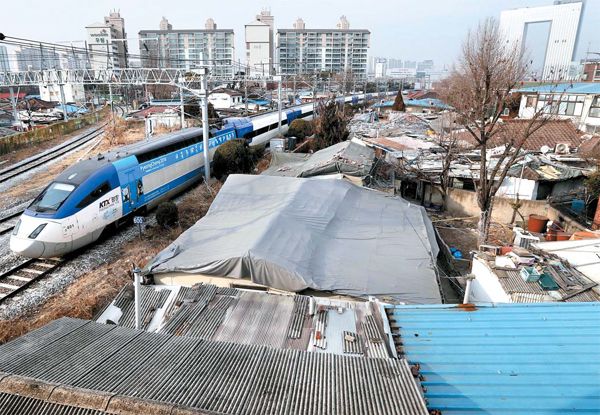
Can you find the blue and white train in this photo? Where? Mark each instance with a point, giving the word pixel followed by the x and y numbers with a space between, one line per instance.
pixel 93 194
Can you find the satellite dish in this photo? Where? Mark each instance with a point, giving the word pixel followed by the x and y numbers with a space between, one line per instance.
pixel 545 149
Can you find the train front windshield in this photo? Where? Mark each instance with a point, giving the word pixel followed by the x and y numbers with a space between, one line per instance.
pixel 52 198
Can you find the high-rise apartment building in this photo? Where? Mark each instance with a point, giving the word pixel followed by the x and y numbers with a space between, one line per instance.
pixel 259 43
pixel 564 18
pixel 4 63
pixel 302 50
pixel 107 43
pixel 37 59
pixel 188 49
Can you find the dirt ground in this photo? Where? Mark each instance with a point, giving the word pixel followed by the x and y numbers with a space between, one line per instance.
pixel 462 233
pixel 94 291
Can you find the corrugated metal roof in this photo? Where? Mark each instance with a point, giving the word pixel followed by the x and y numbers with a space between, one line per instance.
pixel 504 358
pixel 571 88
pixel 522 291
pixel 21 405
pixel 214 376
pixel 208 312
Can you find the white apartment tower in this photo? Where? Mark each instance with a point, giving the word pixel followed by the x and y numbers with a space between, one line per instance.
pixel 259 35
pixel 189 48
pixel 165 25
pixel 303 50
pixel 107 42
pixel 564 17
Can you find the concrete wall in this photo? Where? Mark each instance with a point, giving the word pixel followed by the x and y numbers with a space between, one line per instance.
pixel 17 141
pixel 463 203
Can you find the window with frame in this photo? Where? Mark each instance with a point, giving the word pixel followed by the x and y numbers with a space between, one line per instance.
pixel 570 105
pixel 530 102
pixel 95 194
pixel 595 107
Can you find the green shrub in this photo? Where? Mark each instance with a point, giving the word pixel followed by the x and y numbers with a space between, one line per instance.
pixel 233 157
pixel 167 215
pixel 300 129
pixel 593 184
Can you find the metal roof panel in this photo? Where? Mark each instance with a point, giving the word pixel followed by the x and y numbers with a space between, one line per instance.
pixel 504 358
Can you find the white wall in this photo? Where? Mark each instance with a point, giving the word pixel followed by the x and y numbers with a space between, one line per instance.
pixel 221 100
pixel 562 38
pixel 485 287
pixel 527 189
pixel 258 47
pixel 73 93
pixel 583 122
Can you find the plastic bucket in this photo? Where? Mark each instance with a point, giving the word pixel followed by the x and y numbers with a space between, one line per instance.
pixel 537 223
pixel 551 235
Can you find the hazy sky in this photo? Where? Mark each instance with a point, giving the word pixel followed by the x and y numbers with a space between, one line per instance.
pixel 406 29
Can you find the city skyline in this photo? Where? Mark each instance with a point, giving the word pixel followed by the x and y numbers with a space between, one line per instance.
pixel 404 34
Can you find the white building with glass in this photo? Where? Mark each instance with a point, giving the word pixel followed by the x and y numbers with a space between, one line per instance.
pixel 579 102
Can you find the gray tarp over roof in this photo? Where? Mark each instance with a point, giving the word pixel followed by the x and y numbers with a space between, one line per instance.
pixel 346 157
pixel 328 235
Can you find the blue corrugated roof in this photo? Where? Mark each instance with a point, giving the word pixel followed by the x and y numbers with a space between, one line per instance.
pixel 425 103
pixel 504 358
pixel 572 88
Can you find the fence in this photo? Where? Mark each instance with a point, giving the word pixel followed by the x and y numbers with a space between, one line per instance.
pixel 31 138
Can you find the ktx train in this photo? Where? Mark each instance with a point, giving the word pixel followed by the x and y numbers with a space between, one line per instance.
pixel 83 200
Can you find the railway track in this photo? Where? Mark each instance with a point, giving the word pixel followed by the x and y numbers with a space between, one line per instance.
pixel 21 276
pixel 7 223
pixel 25 165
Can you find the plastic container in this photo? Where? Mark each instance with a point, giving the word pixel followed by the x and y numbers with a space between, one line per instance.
pixel 563 236
pixel 537 223
pixel 277 145
pixel 577 205
pixel 529 274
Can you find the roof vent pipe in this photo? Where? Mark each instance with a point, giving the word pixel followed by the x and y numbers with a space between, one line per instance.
pixel 311 306
pixel 469 279
pixel 137 286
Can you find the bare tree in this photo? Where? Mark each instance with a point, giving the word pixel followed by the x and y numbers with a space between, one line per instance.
pixel 446 152
pixel 479 89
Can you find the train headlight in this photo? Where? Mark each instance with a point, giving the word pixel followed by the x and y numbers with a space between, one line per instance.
pixel 37 231
pixel 16 228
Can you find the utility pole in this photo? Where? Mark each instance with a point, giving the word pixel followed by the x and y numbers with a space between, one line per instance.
pixel 278 79
pixel 13 102
pixel 182 106
pixel 61 86
pixel 246 90
pixel 205 132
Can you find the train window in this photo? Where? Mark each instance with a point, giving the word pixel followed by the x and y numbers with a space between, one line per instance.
pixel 52 197
pixel 95 194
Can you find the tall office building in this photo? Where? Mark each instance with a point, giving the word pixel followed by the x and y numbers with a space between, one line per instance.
pixel 259 49
pixel 188 49
pixel 302 50
pixel 37 58
pixel 115 20
pixel 564 18
pixel 107 43
pixel 267 18
pixel 4 63
pixel 425 66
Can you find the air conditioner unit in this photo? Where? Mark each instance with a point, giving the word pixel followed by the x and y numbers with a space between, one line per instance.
pixel 562 148
pixel 523 238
